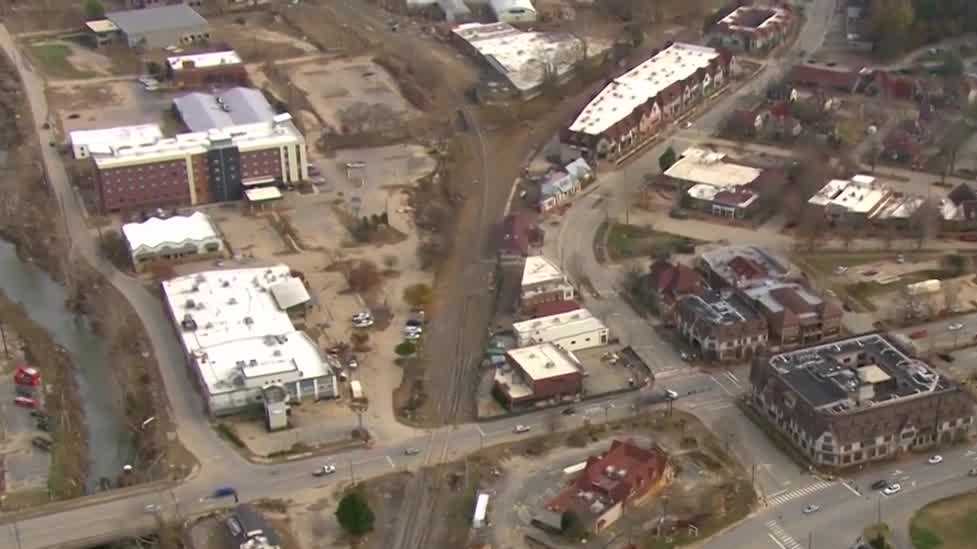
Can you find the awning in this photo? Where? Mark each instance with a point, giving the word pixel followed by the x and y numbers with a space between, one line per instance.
pixel 257 181
pixel 263 194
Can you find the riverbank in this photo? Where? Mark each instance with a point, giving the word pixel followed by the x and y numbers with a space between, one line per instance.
pixel 31 219
pixel 68 471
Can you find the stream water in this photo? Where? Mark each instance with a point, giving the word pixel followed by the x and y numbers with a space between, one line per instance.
pixel 109 443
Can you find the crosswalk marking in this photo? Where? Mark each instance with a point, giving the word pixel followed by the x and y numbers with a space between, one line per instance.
pixel 781 535
pixel 794 494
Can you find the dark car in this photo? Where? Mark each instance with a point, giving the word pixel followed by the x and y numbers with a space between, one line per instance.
pixel 41 443
pixel 224 492
pixel 879 484
pixel 946 357
pixel 569 411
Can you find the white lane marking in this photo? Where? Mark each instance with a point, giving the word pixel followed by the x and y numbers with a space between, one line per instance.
pixel 480 431
pixel 799 492
pixel 733 378
pixel 773 539
pixel 850 489
pixel 390 460
pixel 723 387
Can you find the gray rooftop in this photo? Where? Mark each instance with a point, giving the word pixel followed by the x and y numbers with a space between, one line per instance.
pixel 202 111
pixel 718 309
pixel 828 375
pixel 177 16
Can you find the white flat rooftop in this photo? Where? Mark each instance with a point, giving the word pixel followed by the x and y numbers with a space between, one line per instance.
pixel 635 87
pixel 120 136
pixel 859 195
pixel 229 321
pixel 204 60
pixel 101 25
pixel 262 194
pixel 777 16
pixel 699 166
pixel 174 231
pixel 539 269
pixel 246 137
pixel 519 55
pixel 544 361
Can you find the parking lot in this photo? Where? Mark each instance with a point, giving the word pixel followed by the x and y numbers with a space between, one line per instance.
pixel 23 466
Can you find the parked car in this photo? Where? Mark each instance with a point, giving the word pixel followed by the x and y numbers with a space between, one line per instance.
pixel 324 470
pixel 362 315
pixel 970 237
pixel 972 472
pixel 808 509
pixel 841 269
pixel 892 489
pixel 352 363
pixel 670 394
pixel 411 451
pixel 879 484
pixel 946 357
pixel 25 402
pixel 918 334
pixel 569 411
pixel 954 327
pixel 935 460
pixel 521 429
pixel 224 491
pixel 41 443
pixel 363 323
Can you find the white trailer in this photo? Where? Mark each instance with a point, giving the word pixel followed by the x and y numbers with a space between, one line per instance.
pixel 357 389
pixel 481 508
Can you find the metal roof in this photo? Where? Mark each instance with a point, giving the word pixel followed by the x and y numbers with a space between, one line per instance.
pixel 177 16
pixel 235 107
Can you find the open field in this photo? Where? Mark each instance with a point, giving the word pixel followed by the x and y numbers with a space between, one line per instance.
pixel 946 524
pixel 261 36
pixel 630 241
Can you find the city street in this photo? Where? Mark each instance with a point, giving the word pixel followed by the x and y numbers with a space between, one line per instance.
pixel 944 334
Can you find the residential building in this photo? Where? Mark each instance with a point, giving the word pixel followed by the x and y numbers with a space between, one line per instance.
pixel 744 267
pixel 839 79
pixel 752 28
pixel 238 106
pixel 795 315
pixel 625 475
pixel 713 185
pixel 162 26
pixel 542 281
pixel 521 235
pixel 667 282
pixel 560 186
pixel 859 400
pixel 960 207
pixel 851 202
pixel 513 11
pixel 572 331
pixel 535 373
pixel 82 141
pixel 248 529
pixel 210 69
pixel 721 326
pixel 522 60
pixel 142 4
pixel 200 167
pixel 240 342
pixel 172 240
pixel 635 105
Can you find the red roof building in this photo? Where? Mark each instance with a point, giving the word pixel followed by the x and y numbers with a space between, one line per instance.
pixel 624 475
pixel 520 234
pixel 551 308
pixel 667 282
pixel 816 76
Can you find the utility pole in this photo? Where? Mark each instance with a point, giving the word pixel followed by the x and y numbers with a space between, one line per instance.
pixel 3 336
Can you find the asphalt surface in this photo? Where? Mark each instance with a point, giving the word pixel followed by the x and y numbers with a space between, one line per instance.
pixel 940 336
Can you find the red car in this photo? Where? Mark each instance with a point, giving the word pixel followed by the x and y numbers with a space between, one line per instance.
pixel 25 402
pixel 917 334
pixel 970 237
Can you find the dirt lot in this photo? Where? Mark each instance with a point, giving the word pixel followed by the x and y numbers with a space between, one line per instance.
pixel 261 36
pixel 352 95
pixel 104 105
pixel 68 58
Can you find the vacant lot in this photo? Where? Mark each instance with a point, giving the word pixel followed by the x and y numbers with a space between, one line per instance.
pixel 946 524
pixel 262 36
pixel 629 241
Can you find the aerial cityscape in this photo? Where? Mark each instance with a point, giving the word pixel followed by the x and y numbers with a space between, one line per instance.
pixel 488 274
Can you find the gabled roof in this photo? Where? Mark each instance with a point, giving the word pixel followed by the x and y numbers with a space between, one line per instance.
pixel 673 278
pixel 824 76
pixel 962 193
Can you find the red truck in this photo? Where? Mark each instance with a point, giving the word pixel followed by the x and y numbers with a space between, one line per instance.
pixel 918 334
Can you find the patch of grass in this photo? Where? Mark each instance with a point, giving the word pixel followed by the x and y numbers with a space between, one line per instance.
pixel 24 499
pixel 627 241
pixel 54 60
pixel 949 523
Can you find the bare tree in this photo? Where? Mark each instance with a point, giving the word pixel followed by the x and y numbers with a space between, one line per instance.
pixel 924 222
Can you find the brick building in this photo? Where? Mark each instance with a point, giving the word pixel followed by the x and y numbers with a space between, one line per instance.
pixel 624 475
pixel 635 105
pixel 542 281
pixel 752 28
pixel 201 167
pixel 858 400
pixel 204 70
pixel 667 282
pixel 535 373
pixel 721 326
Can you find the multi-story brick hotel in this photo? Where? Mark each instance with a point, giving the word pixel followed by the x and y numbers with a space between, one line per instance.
pixel 200 167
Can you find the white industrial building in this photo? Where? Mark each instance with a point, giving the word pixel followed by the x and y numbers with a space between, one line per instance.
pixel 241 343
pixel 113 138
pixel 542 281
pixel 522 58
pixel 572 331
pixel 513 11
pixel 173 239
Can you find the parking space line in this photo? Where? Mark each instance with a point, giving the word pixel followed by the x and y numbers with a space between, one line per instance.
pixel 773 539
pixel 850 489
pixel 390 460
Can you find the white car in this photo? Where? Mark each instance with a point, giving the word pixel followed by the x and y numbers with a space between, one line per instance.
pixel 363 323
pixel 521 429
pixel 362 315
pixel 808 509
pixel 955 326
pixel 935 460
pixel 892 489
pixel 841 269
pixel 670 394
pixel 324 470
